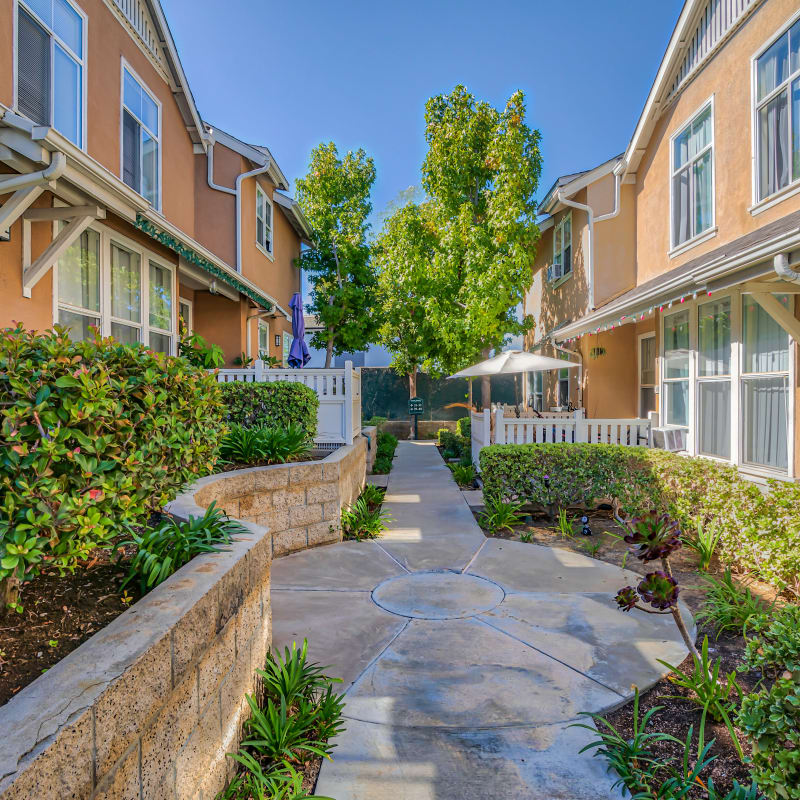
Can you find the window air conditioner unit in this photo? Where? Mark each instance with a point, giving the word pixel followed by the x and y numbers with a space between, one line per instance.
pixel 672 439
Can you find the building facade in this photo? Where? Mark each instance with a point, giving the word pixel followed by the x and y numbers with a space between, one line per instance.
pixel 114 213
pixel 680 295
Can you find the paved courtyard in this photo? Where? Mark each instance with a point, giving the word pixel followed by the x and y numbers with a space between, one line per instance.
pixel 464 658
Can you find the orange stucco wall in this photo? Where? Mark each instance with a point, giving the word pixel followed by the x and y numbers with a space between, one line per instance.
pixel 7 54
pixel 727 78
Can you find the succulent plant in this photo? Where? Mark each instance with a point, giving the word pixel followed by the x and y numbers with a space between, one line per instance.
pixel 627 598
pixel 659 589
pixel 653 536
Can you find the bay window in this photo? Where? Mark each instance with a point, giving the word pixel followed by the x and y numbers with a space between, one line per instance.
pixel 692 184
pixel 714 378
pixel 777 88
pixel 141 151
pixel 50 65
pixel 765 386
pixel 110 284
pixel 676 368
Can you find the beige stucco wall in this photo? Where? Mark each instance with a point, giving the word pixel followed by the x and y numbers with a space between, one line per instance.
pixel 727 78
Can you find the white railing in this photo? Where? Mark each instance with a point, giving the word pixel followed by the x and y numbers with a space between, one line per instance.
pixel 555 428
pixel 338 391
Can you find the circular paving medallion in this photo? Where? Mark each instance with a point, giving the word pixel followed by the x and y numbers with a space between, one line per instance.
pixel 437 595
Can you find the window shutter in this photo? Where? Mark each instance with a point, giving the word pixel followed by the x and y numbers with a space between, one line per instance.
pixel 131 172
pixel 33 70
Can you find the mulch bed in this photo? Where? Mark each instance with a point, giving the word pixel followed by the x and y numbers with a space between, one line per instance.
pixel 676 715
pixel 60 612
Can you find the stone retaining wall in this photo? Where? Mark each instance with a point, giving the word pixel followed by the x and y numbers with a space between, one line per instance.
pixel 300 503
pixel 149 706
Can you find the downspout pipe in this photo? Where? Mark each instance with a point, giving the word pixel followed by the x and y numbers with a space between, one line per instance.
pixel 565 199
pixel 783 270
pixel 237 192
pixel 13 183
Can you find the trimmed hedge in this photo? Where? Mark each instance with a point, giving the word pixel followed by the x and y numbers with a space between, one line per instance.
pixel 274 405
pixel 760 533
pixel 94 434
pixel 464 427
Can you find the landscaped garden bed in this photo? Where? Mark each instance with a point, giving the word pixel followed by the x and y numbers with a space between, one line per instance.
pixel 726 722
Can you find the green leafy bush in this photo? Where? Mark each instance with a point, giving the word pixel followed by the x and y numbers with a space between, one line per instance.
pixel 464 475
pixel 774 640
pixel 728 606
pixel 382 465
pixel 163 550
pixel 362 521
pixel 272 405
pixel 757 533
pixel 771 721
pixel 499 515
pixel 374 421
pixel 198 352
pixel 262 445
pixel 464 427
pixel 94 434
pixel 387 444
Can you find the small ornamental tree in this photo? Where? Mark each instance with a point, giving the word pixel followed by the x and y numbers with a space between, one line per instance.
pixel 403 253
pixel 334 196
pixel 654 537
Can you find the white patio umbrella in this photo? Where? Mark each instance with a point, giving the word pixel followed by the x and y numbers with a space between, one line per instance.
pixel 512 361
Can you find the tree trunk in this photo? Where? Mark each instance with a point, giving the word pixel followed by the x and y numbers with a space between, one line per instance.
pixel 486 384
pixel 412 384
pixel 471 406
pixel 9 594
pixel 329 351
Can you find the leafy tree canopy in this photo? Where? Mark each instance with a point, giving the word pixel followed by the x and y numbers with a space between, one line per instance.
pixel 335 198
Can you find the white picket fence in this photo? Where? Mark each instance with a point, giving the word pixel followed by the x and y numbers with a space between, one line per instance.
pixel 338 390
pixel 553 428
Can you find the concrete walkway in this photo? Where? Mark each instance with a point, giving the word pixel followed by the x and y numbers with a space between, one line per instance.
pixel 464 658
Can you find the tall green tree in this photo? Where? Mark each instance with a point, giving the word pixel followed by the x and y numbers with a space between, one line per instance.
pixel 335 198
pixel 403 253
pixel 480 174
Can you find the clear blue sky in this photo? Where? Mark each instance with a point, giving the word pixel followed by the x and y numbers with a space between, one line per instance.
pixel 292 73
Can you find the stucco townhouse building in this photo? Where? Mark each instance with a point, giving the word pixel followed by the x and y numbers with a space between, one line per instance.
pixel 670 271
pixel 120 207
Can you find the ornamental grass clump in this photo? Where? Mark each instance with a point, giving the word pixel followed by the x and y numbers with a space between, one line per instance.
pixel 93 435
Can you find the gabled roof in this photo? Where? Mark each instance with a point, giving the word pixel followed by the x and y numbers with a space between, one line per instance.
pixel 570 184
pixel 702 28
pixel 295 216
pixel 257 154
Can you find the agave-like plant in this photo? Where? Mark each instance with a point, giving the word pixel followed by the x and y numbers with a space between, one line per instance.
pixel 653 536
pixel 659 589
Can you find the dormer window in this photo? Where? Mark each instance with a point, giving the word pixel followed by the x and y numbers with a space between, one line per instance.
pixel 50 65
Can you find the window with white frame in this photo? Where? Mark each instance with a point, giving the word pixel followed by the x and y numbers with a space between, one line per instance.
pixel 263 220
pixel 101 283
pixel 50 65
pixel 185 313
pixel 563 383
pixel 692 178
pixel 263 339
pixel 714 378
pixel 765 386
pixel 647 374
pixel 141 149
pixel 287 344
pixel 676 368
pixel 562 249
pixel 537 390
pixel 777 101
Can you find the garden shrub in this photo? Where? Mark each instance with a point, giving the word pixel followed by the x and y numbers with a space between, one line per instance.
pixel 759 533
pixel 94 434
pixel 464 427
pixel 272 405
pixel 452 443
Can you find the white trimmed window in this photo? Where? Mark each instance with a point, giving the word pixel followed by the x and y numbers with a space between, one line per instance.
pixel 185 313
pixel 714 378
pixel 676 368
pixel 562 249
pixel 647 374
pixel 141 148
pixel 537 390
pixel 119 288
pixel 777 110
pixel 51 64
pixel 263 220
pixel 692 178
pixel 263 339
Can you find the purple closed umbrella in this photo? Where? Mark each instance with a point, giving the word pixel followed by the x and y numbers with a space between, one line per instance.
pixel 298 352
